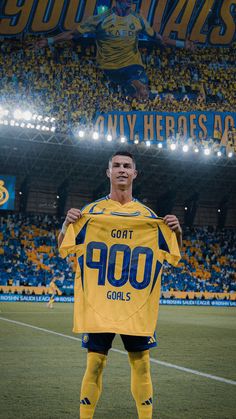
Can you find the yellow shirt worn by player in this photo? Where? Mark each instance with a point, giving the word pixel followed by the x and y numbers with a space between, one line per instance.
pixel 117 38
pixel 120 251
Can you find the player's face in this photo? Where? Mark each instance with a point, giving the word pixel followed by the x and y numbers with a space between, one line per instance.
pixel 122 172
pixel 124 4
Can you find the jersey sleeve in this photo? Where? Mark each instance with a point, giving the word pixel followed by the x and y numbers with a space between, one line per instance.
pixel 146 28
pixel 168 245
pixel 89 25
pixel 74 237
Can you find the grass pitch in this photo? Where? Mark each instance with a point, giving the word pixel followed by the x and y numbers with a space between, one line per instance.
pixel 40 372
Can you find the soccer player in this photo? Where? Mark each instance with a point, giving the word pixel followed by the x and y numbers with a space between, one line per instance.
pixel 116 32
pixel 51 301
pixel 54 290
pixel 121 172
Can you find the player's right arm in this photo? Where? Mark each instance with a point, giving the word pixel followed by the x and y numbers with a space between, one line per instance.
pixel 87 26
pixel 72 216
pixel 64 36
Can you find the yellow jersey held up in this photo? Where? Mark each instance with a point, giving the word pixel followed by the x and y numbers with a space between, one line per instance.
pixel 120 251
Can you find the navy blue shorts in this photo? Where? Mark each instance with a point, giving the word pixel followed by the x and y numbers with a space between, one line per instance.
pixel 103 342
pixel 126 75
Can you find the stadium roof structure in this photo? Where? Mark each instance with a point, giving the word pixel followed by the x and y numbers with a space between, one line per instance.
pixel 55 158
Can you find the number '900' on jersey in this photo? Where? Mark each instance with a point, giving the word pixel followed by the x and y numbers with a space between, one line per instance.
pixel 120 251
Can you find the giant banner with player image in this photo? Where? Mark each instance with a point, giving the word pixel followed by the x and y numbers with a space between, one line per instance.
pixel 7 192
pixel 208 22
pixel 117 27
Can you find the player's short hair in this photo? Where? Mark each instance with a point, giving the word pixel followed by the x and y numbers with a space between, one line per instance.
pixel 122 153
pixel 118 1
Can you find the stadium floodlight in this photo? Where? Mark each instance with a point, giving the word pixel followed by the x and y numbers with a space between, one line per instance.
pixel 27 115
pixel 173 146
pixel 46 119
pixel 5 122
pixel 22 125
pixel 12 122
pixel 185 148
pixel 20 193
pixel 52 119
pixel 148 143
pixel 196 150
pixel 219 154
pixel 81 134
pixel 218 210
pixel 53 129
pixel 185 208
pixel 136 141
pixel 40 117
pixel 95 135
pixel 38 126
pixel 35 116
pixel 17 114
pixel 17 124
pixel 159 145
pixel 230 154
pixel 3 112
pixel 109 137
pixel 43 128
pixel 122 139
pixel 58 197
pixel 207 151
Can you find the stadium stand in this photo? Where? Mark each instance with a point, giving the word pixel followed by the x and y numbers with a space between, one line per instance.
pixel 29 260
pixel 64 82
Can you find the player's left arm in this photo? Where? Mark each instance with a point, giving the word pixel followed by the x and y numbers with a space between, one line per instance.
pixel 165 40
pixel 173 223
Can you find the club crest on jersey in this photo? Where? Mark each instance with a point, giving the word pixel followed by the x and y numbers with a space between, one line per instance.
pixel 85 338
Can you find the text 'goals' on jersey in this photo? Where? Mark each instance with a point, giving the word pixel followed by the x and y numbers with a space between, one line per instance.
pixel 118 276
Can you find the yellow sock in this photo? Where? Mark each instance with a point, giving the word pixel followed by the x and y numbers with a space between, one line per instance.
pixel 141 383
pixel 91 387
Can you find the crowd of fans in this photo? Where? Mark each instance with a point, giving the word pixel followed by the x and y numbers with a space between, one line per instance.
pixel 64 82
pixel 28 252
pixel 29 257
pixel 208 262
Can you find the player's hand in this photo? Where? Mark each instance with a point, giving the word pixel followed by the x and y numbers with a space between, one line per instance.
pixel 190 45
pixel 72 216
pixel 165 40
pixel 173 222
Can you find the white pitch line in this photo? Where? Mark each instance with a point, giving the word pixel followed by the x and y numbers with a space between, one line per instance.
pixel 155 361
